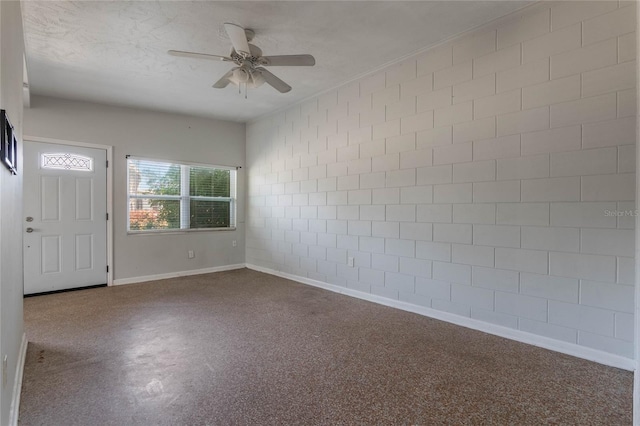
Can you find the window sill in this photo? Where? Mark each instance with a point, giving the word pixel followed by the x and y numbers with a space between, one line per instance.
pixel 177 231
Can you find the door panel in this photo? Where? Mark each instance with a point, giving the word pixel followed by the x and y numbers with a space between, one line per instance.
pixel 65 205
pixel 84 199
pixel 50 196
pixel 84 252
pixel 50 254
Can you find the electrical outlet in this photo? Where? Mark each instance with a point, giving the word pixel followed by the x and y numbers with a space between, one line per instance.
pixel 191 254
pixel 4 370
pixel 351 261
pixel 234 243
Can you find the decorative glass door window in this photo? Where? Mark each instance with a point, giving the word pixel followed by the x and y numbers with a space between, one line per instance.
pixel 66 161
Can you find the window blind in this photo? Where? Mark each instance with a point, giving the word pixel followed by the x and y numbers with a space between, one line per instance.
pixel 164 196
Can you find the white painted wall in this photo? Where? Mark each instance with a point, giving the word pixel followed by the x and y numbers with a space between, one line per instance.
pixel 153 135
pixel 636 375
pixel 474 178
pixel 11 51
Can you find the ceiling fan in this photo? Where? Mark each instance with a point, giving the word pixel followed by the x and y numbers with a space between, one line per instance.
pixel 250 70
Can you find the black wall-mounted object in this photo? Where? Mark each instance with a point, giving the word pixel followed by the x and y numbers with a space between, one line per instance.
pixel 8 144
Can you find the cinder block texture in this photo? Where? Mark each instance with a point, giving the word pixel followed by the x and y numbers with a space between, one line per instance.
pixel 492 177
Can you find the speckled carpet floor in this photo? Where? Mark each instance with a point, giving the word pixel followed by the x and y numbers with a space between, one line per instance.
pixel 242 347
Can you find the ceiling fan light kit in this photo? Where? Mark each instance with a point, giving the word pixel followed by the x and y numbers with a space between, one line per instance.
pixel 250 70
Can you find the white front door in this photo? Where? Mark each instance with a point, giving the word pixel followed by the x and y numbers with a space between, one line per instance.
pixel 65 223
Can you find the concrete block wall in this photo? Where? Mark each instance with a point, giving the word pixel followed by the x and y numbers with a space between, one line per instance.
pixel 491 177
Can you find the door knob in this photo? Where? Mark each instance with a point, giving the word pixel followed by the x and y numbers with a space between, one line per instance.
pixel 29 230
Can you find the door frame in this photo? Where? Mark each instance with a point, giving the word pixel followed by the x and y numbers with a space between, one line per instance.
pixel 109 150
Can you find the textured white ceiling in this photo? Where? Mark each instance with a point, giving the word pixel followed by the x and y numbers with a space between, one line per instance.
pixel 114 52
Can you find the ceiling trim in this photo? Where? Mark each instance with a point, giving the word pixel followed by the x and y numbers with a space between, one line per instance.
pixel 494 23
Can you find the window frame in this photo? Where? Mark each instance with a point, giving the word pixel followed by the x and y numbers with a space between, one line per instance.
pixel 184 198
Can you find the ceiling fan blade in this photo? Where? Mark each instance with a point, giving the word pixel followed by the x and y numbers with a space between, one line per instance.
pixel 224 81
pixel 198 55
pixel 274 81
pixel 288 60
pixel 238 38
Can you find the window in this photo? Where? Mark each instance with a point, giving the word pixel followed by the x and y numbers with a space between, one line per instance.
pixel 165 196
pixel 67 161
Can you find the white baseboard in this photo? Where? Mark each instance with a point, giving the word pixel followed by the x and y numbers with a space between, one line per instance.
pixel 517 335
pixel 17 384
pixel 145 278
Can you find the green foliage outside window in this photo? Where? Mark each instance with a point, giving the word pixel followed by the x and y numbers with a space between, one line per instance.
pixel 168 210
pixel 205 182
pixel 161 179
